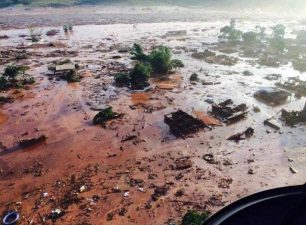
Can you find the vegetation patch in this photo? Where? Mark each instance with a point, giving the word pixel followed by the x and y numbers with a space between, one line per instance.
pixel 4 100
pixel 159 62
pixel 71 76
pixel 66 70
pixel 160 59
pixel 294 117
pixel 194 77
pixel 299 64
pixel 230 33
pixel 194 218
pixel 105 115
pixel 140 76
pixel 122 79
pixel 14 77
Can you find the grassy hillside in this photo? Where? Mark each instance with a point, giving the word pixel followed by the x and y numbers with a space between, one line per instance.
pixel 58 3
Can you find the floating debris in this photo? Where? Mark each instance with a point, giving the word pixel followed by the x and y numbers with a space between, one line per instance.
pixel 272 123
pixel 56 214
pixel 293 170
pixel 105 115
pixel 159 192
pixel 31 142
pixel 209 158
pixel 52 32
pixel 228 113
pixel 182 124
pixel 294 117
pixel 242 135
pixel 272 96
pixel 295 85
pixel 206 119
pixel 183 163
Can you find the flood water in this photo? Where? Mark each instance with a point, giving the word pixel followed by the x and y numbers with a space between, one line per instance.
pixel 64 113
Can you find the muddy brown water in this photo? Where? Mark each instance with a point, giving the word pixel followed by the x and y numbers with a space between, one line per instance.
pixel 3 118
pixel 63 112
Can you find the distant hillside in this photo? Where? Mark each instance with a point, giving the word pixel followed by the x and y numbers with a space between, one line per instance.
pixel 60 3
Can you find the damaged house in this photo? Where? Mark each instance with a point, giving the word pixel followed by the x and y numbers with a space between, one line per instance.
pixel 228 113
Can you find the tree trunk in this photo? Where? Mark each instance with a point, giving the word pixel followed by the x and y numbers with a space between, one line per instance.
pixel 304 107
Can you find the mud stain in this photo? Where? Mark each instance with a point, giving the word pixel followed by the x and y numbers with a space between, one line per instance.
pixel 208 120
pixel 168 83
pixel 3 118
pixel 140 98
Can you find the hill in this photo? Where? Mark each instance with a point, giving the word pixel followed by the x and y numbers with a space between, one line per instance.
pixel 63 3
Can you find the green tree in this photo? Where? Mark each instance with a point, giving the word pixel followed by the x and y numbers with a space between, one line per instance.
pixel 250 37
pixel 160 60
pixel 138 53
pixel 12 71
pixel 230 32
pixel 194 218
pixel 140 76
pixel 278 31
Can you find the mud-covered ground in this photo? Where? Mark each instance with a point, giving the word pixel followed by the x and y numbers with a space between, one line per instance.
pixel 99 175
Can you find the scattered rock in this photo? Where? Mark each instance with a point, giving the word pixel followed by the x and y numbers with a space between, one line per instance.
pixel 272 123
pixel 183 163
pixel 52 32
pixel 31 142
pixel 251 171
pixel 56 214
pixel 159 192
pixel 293 170
pixel 209 158
pixel 242 135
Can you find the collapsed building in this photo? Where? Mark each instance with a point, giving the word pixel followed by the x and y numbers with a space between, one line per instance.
pixel 295 85
pixel 272 96
pixel 228 113
pixel 294 117
pixel 182 124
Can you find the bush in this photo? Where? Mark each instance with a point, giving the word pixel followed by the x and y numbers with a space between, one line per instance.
pixel 122 78
pixel 277 41
pixel 22 55
pixel 299 64
pixel 30 80
pixel 138 53
pixel 160 59
pixel 301 37
pixel 103 116
pixel 230 32
pixel 175 64
pixel 194 218
pixel 9 78
pixel 4 100
pixel 140 76
pixel 12 71
pixel 67 27
pixel 278 44
pixel 250 37
pixel 4 83
pixel 279 31
pixel 261 32
pixel 71 76
pixel 194 77
pixel 35 34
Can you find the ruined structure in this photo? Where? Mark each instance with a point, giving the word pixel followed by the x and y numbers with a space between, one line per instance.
pixel 228 113
pixel 182 124
pixel 272 96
